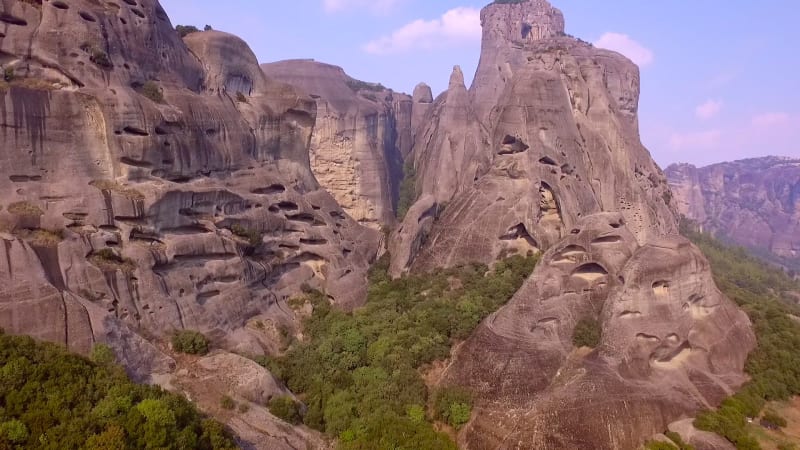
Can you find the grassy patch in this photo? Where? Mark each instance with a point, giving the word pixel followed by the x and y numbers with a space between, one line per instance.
pixel 108 260
pixel 25 209
pixel 587 333
pixel 152 90
pixel 41 237
pixel 113 186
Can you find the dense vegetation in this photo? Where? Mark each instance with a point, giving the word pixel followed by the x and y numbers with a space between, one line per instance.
pixel 52 399
pixel 587 333
pixel 359 374
pixel 774 367
pixel 408 194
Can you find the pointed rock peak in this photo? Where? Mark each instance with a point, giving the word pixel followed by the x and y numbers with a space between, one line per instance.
pixel 423 94
pixel 520 22
pixel 457 78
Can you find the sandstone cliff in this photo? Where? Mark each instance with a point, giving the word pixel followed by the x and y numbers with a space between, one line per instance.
pixel 542 154
pixel 361 135
pixel 753 202
pixel 152 184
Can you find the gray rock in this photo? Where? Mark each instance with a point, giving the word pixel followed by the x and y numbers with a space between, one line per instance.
pixel 141 153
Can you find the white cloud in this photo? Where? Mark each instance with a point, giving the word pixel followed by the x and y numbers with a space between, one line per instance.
pixel 375 6
pixel 708 110
pixel 623 43
pixel 770 120
pixel 456 26
pixel 701 140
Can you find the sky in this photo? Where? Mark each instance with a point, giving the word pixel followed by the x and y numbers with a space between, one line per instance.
pixel 719 77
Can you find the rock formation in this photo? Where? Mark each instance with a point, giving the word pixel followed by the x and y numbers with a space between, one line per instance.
pixel 560 142
pixel 152 184
pixel 753 202
pixel 361 135
pixel 543 154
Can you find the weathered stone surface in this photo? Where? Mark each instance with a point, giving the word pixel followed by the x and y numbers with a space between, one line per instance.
pixel 361 135
pixel 172 178
pixel 671 344
pixel 561 142
pixel 753 202
pixel 543 154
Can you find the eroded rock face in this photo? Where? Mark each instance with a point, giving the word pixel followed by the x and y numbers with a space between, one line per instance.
pixel 558 141
pixel 753 202
pixel 543 154
pixel 150 184
pixel 361 135
pixel 671 344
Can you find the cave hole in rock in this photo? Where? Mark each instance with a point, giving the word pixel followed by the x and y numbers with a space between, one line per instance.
pixel 590 272
pixel 671 356
pixel 673 338
pixel 526 30
pixel 274 209
pixel 661 288
pixel 135 131
pixel 12 20
pixel 288 206
pixel 546 160
pixel 60 5
pixel 313 241
pixel 87 17
pixel 135 162
pixel 606 240
pixel 130 2
pixel 569 255
pixel 138 13
pixel 647 337
pixel 550 211
pixel 511 145
pixel 627 314
pixel 519 232
pixel 270 190
pixel 302 217
pixel 337 215
pixel 123 21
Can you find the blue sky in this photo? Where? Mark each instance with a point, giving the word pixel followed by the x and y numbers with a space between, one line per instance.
pixel 719 77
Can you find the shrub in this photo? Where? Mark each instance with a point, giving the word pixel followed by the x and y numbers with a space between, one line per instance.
pixel 108 260
pixel 254 237
pixel 190 342
pixel 408 193
pixel 185 30
pixel 678 440
pixel 244 408
pixel 453 405
pixel 152 90
pixel 100 58
pixel 240 97
pixel 587 333
pixel 25 209
pixel 103 355
pixel 8 74
pixel 358 85
pixel 773 418
pixel 207 28
pixel 14 431
pixel 227 403
pixel 286 409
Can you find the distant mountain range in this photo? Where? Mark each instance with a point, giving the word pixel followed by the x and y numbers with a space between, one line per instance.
pixel 752 202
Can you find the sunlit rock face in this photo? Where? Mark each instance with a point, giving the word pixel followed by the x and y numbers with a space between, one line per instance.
pixel 151 183
pixel 360 137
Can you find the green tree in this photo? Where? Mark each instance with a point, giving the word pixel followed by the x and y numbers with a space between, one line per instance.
pixel 191 342
pixel 285 408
